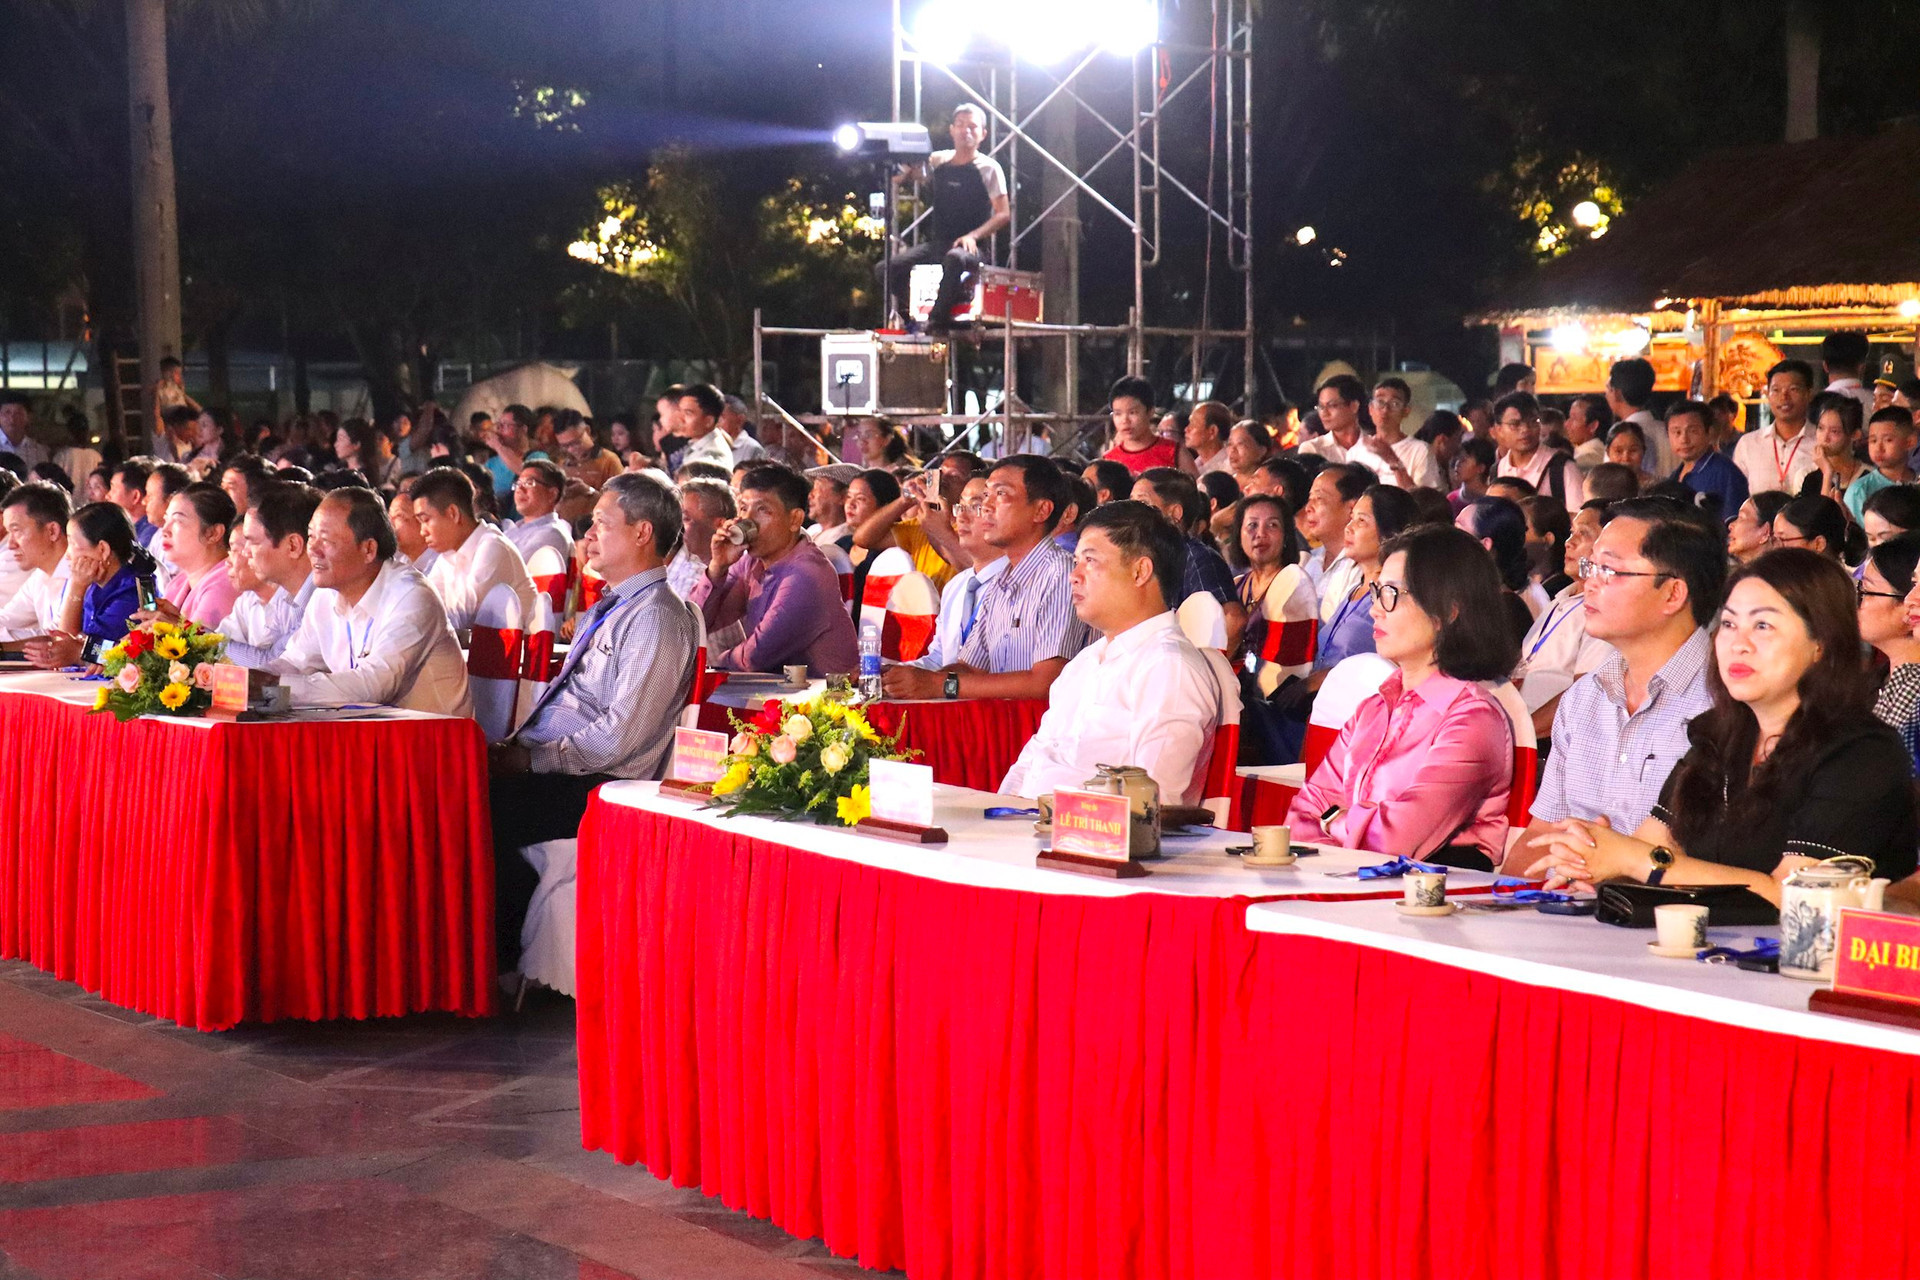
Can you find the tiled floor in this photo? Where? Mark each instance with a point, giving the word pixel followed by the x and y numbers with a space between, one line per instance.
pixel 427 1148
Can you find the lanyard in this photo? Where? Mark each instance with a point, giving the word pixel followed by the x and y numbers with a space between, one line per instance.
pixel 1553 622
pixel 593 623
pixel 1784 469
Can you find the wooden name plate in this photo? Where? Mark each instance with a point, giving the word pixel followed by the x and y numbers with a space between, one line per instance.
pixel 904 832
pixel 1085 865
pixel 687 790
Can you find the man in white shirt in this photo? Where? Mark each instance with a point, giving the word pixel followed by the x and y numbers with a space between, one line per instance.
pixel 960 601
pixel 374 634
pixel 733 421
pixel 703 505
pixel 1206 436
pixel 536 496
pixel 1323 518
pixel 1844 355
pixel 274 573
pixel 15 421
pixel 827 504
pixel 413 551
pixel 35 519
pixel 474 558
pixel 1141 694
pixel 700 410
pixel 1411 461
pixel 1629 397
pixel 1338 403
pixel 1516 429
pixel 1782 456
pixel 1587 421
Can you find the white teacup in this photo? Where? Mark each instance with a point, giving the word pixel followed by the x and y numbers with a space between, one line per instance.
pixel 1273 845
pixel 1425 889
pixel 1680 926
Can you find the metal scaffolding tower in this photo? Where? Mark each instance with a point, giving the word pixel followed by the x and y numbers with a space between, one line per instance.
pixel 1199 62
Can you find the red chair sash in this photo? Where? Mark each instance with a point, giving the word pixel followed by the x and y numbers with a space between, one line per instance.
pixel 906 636
pixel 877 592
pixel 540 666
pixel 1290 643
pixel 494 654
pixel 1319 741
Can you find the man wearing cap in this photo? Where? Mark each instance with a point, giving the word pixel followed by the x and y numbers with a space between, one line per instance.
pixel 827 505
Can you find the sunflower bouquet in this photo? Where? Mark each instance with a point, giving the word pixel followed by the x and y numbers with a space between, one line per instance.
pixel 803 760
pixel 164 668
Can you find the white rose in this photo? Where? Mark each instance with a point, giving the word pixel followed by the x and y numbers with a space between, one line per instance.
pixel 797 727
pixel 834 758
pixel 179 674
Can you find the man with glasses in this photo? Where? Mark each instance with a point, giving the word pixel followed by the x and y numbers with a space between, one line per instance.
pixel 1516 430
pixel 536 496
pixel 960 601
pixel 1410 460
pixel 1653 585
pixel 1025 630
pixel 1338 403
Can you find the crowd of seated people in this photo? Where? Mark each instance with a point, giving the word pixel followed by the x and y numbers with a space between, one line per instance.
pixel 1197 571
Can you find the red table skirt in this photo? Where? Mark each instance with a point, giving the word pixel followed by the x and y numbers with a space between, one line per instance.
pixel 214 875
pixel 971 742
pixel 963 1082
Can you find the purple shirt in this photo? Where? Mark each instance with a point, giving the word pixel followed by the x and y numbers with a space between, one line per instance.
pixel 791 611
pixel 1414 771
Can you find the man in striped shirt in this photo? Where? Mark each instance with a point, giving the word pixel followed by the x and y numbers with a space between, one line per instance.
pixel 1025 629
pixel 610 712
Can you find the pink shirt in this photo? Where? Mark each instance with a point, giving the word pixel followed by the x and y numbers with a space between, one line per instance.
pixel 1415 771
pixel 207 601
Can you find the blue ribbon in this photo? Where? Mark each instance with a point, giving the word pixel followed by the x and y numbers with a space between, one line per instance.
pixel 1003 812
pixel 1763 949
pixel 1395 869
pixel 1511 889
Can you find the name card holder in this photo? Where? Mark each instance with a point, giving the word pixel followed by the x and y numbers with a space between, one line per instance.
pixel 1876 970
pixel 230 695
pixel 696 765
pixel 1090 836
pixel 902 803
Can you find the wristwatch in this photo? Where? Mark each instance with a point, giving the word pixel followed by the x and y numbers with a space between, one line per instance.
pixel 1662 859
pixel 950 688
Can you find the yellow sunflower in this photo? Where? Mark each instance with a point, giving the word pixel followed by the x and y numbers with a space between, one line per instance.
pixel 733 779
pixel 100 698
pixel 162 627
pixel 171 647
pixel 175 696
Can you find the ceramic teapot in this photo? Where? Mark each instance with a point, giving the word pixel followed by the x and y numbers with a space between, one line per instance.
pixel 1811 900
pixel 1143 795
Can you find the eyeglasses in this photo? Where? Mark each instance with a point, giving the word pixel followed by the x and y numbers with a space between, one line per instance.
pixel 1860 590
pixel 1386 593
pixel 1390 402
pixel 1602 574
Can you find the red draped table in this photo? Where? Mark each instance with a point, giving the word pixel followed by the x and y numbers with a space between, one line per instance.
pixel 970 742
pixel 214 873
pixel 942 1060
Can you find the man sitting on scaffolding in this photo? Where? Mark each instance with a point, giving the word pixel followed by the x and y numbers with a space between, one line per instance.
pixel 969 199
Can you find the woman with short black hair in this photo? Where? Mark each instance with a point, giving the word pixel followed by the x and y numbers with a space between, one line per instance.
pixel 1423 768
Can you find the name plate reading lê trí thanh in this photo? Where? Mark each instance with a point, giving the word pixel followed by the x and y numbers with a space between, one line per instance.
pixel 1876 969
pixel 697 762
pixel 1090 834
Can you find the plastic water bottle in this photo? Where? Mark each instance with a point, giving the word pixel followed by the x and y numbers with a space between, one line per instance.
pixel 870 660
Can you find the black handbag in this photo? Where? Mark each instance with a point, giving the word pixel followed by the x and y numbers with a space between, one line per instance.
pixel 1630 904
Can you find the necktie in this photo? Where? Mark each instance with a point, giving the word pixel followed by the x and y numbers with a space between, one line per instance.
pixel 969 600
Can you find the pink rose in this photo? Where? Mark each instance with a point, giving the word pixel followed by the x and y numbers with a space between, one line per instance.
pixel 129 678
pixel 203 675
pixel 746 743
pixel 783 750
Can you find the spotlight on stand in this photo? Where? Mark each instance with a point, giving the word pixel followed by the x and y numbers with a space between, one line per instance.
pixel 882 139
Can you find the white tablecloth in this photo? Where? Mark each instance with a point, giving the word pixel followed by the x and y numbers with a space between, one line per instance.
pixel 80 692
pixel 1577 953
pixel 999 853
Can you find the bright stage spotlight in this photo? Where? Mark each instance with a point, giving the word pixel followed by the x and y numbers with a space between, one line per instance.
pixel 943 30
pixel 1130 27
pixel 900 140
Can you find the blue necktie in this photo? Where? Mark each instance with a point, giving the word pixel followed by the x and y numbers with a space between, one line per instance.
pixel 968 601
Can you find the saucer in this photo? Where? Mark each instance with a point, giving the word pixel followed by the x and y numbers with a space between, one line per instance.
pixel 1684 953
pixel 1248 860
pixel 1444 909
